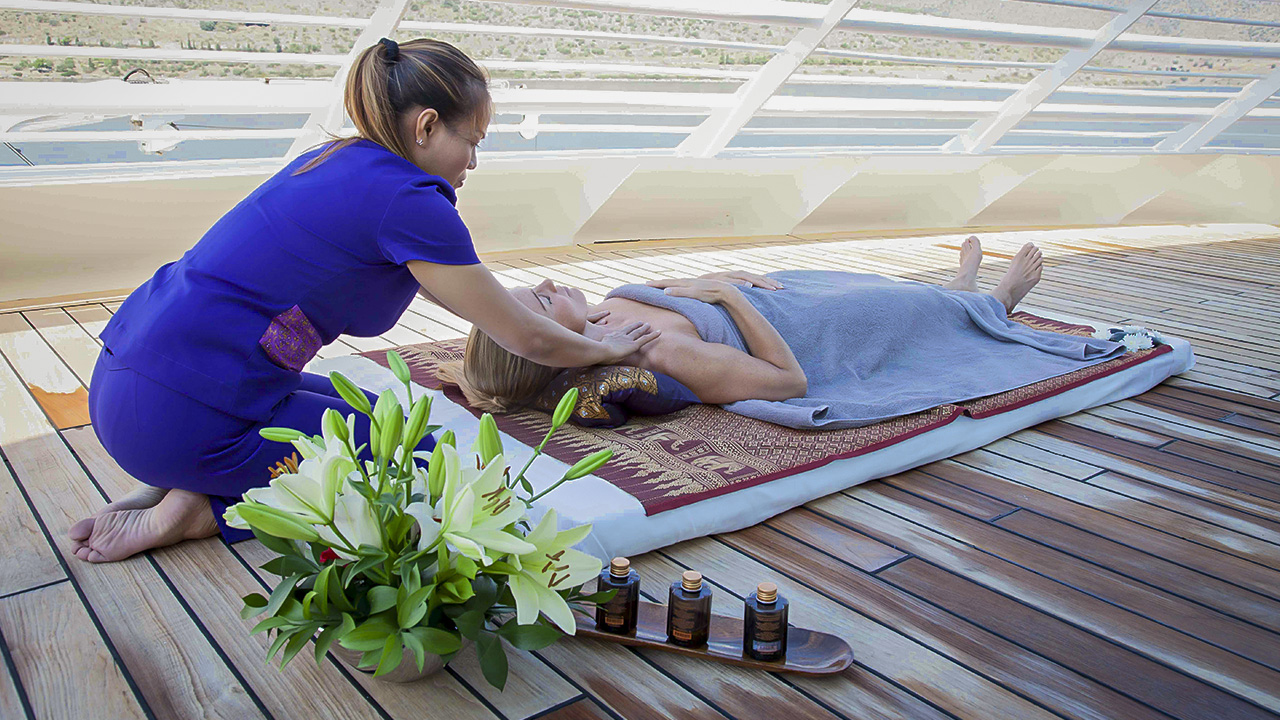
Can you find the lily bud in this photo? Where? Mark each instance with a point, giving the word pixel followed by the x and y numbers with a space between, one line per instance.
pixel 348 391
pixel 588 464
pixel 275 522
pixel 398 366
pixel 334 425
pixel 392 432
pixel 564 408
pixel 276 434
pixel 417 425
pixel 435 470
pixel 488 443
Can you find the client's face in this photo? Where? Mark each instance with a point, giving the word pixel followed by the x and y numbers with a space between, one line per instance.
pixel 566 305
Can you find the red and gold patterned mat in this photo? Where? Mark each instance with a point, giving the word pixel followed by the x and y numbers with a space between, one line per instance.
pixel 702 451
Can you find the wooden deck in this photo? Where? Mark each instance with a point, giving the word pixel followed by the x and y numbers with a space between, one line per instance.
pixel 1120 563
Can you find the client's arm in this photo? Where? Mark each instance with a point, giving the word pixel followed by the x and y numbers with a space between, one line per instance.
pixel 718 373
pixel 474 294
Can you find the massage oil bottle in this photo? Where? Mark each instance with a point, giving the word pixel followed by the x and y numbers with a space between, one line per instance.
pixel 689 611
pixel 619 614
pixel 764 624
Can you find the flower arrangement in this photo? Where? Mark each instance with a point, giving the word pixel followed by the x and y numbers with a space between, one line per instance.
pixel 1133 337
pixel 390 557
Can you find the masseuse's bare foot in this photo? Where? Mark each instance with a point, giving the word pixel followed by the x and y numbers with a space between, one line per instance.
pixel 1023 274
pixel 139 498
pixel 180 515
pixel 970 260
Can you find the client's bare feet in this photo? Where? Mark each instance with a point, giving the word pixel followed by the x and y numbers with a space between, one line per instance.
pixel 1023 274
pixel 139 498
pixel 970 260
pixel 115 535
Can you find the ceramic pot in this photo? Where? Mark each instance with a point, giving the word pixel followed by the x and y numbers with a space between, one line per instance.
pixel 406 671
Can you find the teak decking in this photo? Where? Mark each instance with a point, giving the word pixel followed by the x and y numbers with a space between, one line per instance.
pixel 1123 562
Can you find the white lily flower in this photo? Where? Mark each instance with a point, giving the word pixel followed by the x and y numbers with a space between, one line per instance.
pixel 354 518
pixel 552 565
pixel 473 512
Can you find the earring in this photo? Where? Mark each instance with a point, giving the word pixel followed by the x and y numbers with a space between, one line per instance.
pixel 419 141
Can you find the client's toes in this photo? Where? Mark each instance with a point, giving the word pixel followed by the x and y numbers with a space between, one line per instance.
pixel 81 530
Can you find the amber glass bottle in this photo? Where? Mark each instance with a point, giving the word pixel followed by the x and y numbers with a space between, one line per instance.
pixel 619 614
pixel 689 611
pixel 764 624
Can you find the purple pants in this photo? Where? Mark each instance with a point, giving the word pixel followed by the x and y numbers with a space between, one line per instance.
pixel 165 439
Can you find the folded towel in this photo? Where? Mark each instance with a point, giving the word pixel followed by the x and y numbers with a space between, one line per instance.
pixel 875 348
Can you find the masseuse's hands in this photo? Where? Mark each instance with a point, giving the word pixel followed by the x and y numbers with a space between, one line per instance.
pixel 744 279
pixel 626 341
pixel 708 291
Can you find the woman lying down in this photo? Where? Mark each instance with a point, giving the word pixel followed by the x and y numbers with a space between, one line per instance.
pixel 806 348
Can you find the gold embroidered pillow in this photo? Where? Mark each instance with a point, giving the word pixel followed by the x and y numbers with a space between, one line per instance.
pixel 610 394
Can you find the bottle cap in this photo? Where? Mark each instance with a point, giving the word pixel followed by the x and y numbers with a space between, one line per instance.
pixel 767 592
pixel 691 580
pixel 619 567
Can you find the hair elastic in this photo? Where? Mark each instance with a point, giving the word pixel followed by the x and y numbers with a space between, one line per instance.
pixel 392 51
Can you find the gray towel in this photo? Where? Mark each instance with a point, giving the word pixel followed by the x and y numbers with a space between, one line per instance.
pixel 874 348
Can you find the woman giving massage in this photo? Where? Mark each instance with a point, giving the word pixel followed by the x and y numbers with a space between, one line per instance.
pixel 808 349
pixel 211 349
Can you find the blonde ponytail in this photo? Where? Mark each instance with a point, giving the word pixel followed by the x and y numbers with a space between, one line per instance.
pixel 494 380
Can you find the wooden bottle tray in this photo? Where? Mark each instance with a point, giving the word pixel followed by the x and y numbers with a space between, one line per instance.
pixel 808 652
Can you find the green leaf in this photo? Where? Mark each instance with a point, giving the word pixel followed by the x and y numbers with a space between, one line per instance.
pixel 603 596
pixel 498 567
pixel 564 408
pixel 282 592
pixel 381 598
pixel 298 642
pixel 287 565
pixel 470 623
pixel 279 546
pixel 392 654
pixel 306 603
pixel 325 640
pixel 529 637
pixel 270 623
pixel 412 642
pixel 322 587
pixel 348 391
pixel 364 563
pixel 588 464
pixel 281 638
pixel 486 594
pixel 280 434
pixel 412 610
pixel 435 640
pixel 253 605
pixel 466 567
pixel 493 659
pixel 275 522
pixel 369 635
pixel 398 366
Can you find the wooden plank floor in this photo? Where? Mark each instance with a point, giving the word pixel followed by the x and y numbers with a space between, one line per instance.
pixel 1123 562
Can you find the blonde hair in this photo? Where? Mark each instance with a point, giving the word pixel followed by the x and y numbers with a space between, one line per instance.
pixel 495 380
pixel 420 73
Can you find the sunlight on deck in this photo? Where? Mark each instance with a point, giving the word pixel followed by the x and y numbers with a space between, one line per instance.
pixel 1123 562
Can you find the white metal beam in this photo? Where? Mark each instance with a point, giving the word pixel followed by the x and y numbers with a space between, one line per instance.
pixel 382 23
pixel 987 132
pixel 780 13
pixel 719 128
pixel 1198 134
